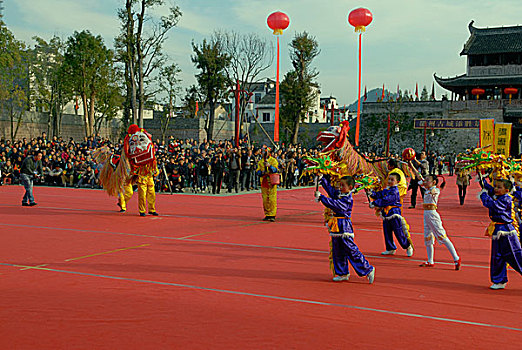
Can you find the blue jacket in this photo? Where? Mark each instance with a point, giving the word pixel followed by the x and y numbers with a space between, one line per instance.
pixel 341 204
pixel 389 197
pixel 499 208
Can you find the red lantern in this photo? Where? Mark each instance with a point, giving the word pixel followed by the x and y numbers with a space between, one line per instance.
pixel 360 18
pixel 278 21
pixel 408 154
pixel 477 92
pixel 510 91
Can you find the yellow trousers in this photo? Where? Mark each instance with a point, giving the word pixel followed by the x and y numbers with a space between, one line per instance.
pixel 125 196
pixel 146 193
pixel 269 200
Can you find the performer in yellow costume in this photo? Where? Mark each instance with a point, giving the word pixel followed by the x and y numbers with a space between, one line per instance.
pixel 393 167
pixel 137 164
pixel 125 196
pixel 140 152
pixel 268 165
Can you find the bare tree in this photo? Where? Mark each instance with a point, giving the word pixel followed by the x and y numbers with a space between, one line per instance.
pixel 141 47
pixel 250 55
pixel 170 85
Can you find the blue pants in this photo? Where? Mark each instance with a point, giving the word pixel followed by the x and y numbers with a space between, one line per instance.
pixel 27 181
pixel 344 249
pixel 505 250
pixel 391 226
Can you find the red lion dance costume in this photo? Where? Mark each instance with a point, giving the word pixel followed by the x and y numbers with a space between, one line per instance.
pixel 137 164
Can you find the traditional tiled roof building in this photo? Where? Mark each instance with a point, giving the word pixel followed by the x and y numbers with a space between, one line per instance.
pixel 494 65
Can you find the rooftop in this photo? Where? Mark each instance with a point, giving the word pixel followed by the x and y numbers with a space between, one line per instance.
pixel 485 41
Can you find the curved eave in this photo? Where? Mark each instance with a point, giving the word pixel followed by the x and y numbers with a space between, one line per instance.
pixel 450 83
pixel 460 83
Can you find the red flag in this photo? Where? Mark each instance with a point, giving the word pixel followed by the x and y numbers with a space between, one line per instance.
pixel 382 95
pixel 365 94
pixel 197 109
pixel 324 112
pixel 76 107
pixel 432 90
pixel 417 91
pixel 398 92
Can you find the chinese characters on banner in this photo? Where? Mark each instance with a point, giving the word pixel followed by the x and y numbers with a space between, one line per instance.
pixel 503 138
pixel 487 135
pixel 446 123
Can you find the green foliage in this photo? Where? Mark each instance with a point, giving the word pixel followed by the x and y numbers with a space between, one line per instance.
pixel 49 88
pixel 297 88
pixel 88 67
pixel 212 61
pixel 13 78
pixel 424 94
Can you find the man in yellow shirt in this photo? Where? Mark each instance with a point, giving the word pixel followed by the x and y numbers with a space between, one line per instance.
pixel 268 165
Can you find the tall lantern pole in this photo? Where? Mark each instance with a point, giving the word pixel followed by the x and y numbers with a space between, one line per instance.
pixel 277 21
pixel 359 18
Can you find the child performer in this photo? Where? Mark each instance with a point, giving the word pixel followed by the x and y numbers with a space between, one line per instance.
pixel 432 223
pixel 343 248
pixel 388 200
pixel 505 244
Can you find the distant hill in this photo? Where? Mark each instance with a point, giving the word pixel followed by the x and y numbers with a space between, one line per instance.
pixel 372 96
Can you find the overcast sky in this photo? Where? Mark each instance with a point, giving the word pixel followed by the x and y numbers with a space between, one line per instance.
pixel 406 43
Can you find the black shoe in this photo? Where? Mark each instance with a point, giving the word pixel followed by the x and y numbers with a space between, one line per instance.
pixel 153 213
pixel 271 219
pixel 32 204
pixel 25 204
pixel 411 207
pixel 122 211
pixel 266 218
pixel 143 214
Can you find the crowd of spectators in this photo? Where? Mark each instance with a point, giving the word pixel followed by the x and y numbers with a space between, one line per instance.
pixel 185 165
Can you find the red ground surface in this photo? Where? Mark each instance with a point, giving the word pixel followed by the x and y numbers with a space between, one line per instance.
pixel 76 274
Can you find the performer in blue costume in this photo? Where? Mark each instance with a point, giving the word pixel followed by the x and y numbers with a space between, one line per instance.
pixel 505 243
pixel 342 246
pixel 389 201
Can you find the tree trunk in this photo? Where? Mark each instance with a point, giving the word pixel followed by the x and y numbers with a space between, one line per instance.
pixel 296 130
pixel 141 19
pixel 131 60
pixel 85 114
pixel 211 112
pixel 91 114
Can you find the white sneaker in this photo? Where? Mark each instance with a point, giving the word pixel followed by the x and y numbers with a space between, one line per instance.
pixel 371 276
pixel 409 251
pixel 341 278
pixel 498 286
pixel 388 252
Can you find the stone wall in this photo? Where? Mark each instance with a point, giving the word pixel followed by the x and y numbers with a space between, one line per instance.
pixel 34 123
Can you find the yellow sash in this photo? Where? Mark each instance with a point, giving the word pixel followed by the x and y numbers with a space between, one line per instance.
pixel 333 224
pixel 491 228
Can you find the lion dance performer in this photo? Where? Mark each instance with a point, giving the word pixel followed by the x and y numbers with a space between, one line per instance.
pixel 137 164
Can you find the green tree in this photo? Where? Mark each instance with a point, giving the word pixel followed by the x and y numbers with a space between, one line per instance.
pixel 424 94
pixel 89 68
pixel 211 60
pixel 49 88
pixel 14 82
pixel 109 100
pixel 298 88
pixel 192 95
